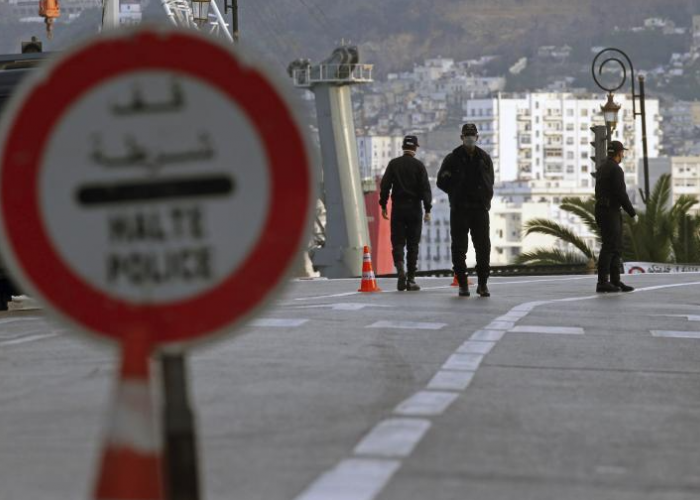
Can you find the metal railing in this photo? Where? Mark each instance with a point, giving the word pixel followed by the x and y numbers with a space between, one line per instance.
pixel 332 73
pixel 511 270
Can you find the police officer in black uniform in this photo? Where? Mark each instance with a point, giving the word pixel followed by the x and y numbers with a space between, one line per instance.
pixel 467 177
pixel 407 179
pixel 610 196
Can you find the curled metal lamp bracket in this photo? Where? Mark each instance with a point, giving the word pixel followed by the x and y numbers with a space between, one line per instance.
pixel 613 59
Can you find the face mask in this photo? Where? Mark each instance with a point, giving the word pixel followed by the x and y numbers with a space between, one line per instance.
pixel 469 141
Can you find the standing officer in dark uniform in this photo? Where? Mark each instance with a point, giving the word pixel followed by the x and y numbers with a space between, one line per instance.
pixel 467 177
pixel 407 179
pixel 610 196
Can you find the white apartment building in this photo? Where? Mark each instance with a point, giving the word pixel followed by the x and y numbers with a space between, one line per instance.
pixel 685 175
pixel 375 152
pixel 507 217
pixel 546 136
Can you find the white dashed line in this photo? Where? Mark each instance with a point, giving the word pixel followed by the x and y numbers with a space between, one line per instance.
pixel 550 330
pixel 393 438
pixel 500 325
pixel 488 335
pixel 342 306
pixel 675 335
pixel 277 323
pixel 448 380
pixel 476 347
pixel 689 317
pixel 25 339
pixel 426 404
pixel 407 325
pixel 460 361
pixel 352 479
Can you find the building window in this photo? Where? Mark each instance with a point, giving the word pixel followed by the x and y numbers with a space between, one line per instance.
pixel 584 155
pixel 584 112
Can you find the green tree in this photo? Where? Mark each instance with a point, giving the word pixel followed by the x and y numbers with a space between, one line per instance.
pixel 583 253
pixel 661 232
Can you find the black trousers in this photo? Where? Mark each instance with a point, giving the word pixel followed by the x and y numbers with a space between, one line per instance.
pixel 610 259
pixel 462 222
pixel 406 228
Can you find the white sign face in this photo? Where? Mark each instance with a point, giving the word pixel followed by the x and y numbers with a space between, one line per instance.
pixel 144 205
pixel 154 184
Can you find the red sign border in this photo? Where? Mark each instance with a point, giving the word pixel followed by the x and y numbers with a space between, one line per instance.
pixel 285 229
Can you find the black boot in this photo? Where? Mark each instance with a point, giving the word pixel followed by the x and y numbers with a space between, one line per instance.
pixel 623 287
pixel 411 284
pixel 606 287
pixel 482 289
pixel 463 285
pixel 401 283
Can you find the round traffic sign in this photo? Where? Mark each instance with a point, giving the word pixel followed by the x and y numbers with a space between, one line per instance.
pixel 154 183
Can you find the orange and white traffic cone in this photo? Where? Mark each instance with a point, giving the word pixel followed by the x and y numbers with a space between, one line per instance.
pixel 456 283
pixel 131 462
pixel 369 283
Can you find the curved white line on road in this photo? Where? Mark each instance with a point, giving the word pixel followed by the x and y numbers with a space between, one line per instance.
pixel 364 479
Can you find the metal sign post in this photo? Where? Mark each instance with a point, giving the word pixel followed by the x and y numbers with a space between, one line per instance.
pixel 156 188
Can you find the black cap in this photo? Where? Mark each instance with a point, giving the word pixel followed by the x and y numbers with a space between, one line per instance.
pixel 469 129
pixel 410 141
pixel 615 147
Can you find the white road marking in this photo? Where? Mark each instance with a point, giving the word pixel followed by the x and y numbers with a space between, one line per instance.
pixel 407 325
pixel 675 335
pixel 488 335
pixel 342 306
pixel 447 380
pixel 393 438
pixel 277 323
pixel 512 316
pixel 553 330
pixel 426 404
pixel 341 483
pixel 25 339
pixel 352 479
pixel 500 325
pixel 7 321
pixel 476 347
pixel 689 317
pixel 332 296
pixel 459 361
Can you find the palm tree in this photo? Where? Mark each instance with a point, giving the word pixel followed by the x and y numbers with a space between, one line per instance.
pixel 663 234
pixel 583 254
pixel 658 234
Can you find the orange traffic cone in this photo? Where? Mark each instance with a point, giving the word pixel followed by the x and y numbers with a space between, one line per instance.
pixel 131 463
pixel 456 283
pixel 369 283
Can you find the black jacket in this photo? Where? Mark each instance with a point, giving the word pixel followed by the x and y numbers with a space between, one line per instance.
pixel 610 188
pixel 452 178
pixel 407 179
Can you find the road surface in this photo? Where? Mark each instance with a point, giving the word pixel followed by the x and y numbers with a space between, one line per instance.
pixel 544 391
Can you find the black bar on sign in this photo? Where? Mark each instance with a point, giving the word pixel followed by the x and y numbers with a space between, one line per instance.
pixel 106 194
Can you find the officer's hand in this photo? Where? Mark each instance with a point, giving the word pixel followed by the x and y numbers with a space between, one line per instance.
pixel 427 217
pixel 385 214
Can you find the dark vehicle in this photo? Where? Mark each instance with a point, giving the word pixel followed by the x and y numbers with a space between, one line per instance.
pixel 13 68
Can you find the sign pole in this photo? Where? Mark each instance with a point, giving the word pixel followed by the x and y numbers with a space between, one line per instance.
pixel 180 461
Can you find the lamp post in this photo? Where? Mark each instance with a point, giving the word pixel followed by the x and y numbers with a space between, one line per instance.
pixel 610 109
pixel 200 11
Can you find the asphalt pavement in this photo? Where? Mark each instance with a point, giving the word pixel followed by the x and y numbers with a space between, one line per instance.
pixel 545 391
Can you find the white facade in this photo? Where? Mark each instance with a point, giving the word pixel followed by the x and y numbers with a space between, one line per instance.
pixel 507 217
pixel 685 176
pixel 375 152
pixel 546 136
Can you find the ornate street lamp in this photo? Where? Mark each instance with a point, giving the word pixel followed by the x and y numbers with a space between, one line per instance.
pixel 200 11
pixel 611 109
pixel 610 112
